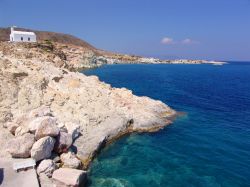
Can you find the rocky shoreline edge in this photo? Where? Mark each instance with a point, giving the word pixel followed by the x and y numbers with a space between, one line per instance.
pixel 62 118
pixel 77 58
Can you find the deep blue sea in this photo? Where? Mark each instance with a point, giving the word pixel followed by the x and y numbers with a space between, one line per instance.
pixel 209 146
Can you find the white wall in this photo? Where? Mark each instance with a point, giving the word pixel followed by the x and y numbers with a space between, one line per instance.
pixel 18 38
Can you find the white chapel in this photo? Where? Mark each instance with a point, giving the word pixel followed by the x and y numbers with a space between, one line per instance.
pixel 22 36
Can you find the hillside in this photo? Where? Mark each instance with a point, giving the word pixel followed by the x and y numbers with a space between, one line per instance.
pixel 68 39
pixel 53 36
pixel 79 54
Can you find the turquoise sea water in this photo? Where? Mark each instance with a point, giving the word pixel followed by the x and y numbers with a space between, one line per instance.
pixel 209 146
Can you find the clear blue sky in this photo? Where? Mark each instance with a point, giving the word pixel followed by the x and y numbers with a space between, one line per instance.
pixel 210 29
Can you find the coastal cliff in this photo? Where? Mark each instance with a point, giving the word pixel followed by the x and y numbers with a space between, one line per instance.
pixel 48 111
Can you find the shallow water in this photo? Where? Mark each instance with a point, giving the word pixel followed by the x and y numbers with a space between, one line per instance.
pixel 209 146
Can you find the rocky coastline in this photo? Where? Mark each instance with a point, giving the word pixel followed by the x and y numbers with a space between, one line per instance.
pixel 76 58
pixel 158 61
pixel 60 117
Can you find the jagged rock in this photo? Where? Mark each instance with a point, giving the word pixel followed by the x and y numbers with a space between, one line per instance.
pixel 70 177
pixel 47 167
pixel 20 146
pixel 11 126
pixel 34 123
pixel 62 127
pixel 47 127
pixel 70 160
pixel 74 129
pixel 21 130
pixel 63 142
pixel 42 148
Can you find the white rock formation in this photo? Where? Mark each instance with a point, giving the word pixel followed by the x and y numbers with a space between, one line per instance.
pixel 47 127
pixel 69 177
pixel 42 148
pixel 46 167
pixel 70 160
pixel 35 122
pixel 20 147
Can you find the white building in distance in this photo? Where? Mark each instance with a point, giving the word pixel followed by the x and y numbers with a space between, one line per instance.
pixel 21 36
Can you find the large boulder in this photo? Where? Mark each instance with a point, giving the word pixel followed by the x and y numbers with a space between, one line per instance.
pixel 20 146
pixel 69 177
pixel 63 142
pixel 42 148
pixel 70 160
pixel 47 127
pixel 46 167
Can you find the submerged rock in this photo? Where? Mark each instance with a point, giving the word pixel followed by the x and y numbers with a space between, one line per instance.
pixel 20 147
pixel 42 148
